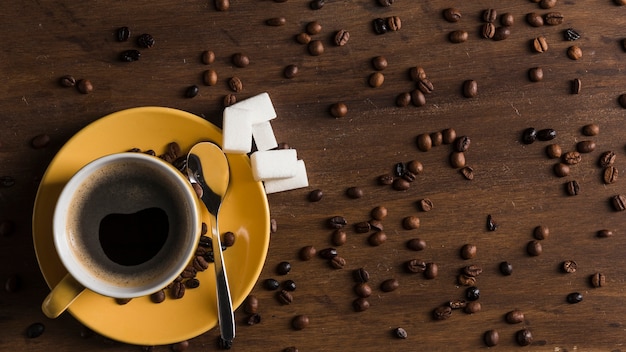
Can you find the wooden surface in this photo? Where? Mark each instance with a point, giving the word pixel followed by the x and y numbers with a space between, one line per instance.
pixel 42 41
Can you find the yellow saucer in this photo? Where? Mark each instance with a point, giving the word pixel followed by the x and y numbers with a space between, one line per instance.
pixel 245 212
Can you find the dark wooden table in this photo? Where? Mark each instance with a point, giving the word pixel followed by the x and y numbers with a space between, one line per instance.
pixel 513 182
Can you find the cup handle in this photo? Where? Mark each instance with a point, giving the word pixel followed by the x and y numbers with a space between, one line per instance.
pixel 61 296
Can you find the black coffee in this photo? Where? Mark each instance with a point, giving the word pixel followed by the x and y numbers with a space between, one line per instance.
pixel 133 239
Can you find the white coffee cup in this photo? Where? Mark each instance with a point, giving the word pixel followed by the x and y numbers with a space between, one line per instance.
pixel 125 225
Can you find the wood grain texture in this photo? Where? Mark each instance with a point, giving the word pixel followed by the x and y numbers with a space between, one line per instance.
pixel 43 41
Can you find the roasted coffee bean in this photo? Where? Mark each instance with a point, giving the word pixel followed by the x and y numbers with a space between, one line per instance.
pixel 222 5
pixel 425 86
pixel 462 143
pixel 158 296
pixel 240 60
pixel 452 14
pixel 547 4
pixel 276 21
pixel 209 77
pixel 488 30
pixel 432 271
pixel 607 158
pixel 401 184
pixel 40 141
pixel 457 159
pixel 290 71
pixel 337 262
pixel 489 15
pixel 284 297
pixel 468 251
pixel 289 285
pixel 35 330
pixel 229 99
pixel 394 23
pixel 491 224
pixel 576 86
pixel 553 18
pixel 271 284
pixel 341 37
pixel 515 316
pixel 189 272
pixel 389 285
pixel 84 86
pixel 465 280
pixel 300 322
pixel 376 79
pixel 572 188
pixel 415 266
pixel 472 307
pixel 541 232
pixel 400 333
pixel 574 297
pixel 442 313
pixel 385 3
pixel 361 275
pixel 228 239
pixel 303 38
pixel 524 337
pixel 598 280
pixel 123 301
pixel 315 195
pixel 146 41
pixel 457 304
pixel 307 252
pixel 534 19
pixel 363 290
pixel 502 33
pixel 339 109
pixel 313 28
pixel 399 169
pixel 360 304
pixel 253 319
pixel 379 213
pixel 591 129
pixel 67 81
pixel 569 266
pixel 177 291
pixel 535 74
pixel 192 91
pixel 472 270
pixel 377 238
pixel 316 4
pixel 379 63
pixel 610 175
pixel 337 222
pixel 380 26
pixel 529 135
pixel 207 57
pixel 586 146
pixel 316 47
pixel 472 293
pixel 362 227
pixel 570 34
pixel 235 84
pixel 491 337
pixel 409 176
pixel 339 237
pixel 554 151
pixel 327 253
pixel 416 244
pixel 572 158
pixel 415 166
pixel 561 169
pixel 458 36
pixel 470 88
pixel 376 225
pixel 540 44
pixel 417 98
pixel 507 19
pixel 192 283
pixel 122 34
pixel 417 73
pixel 574 52
pixel 506 268
pixel 411 222
pixel 354 192
pixel 467 172
pixel 437 138
pixel 604 233
pixel 622 100
pixel 200 263
pixel 425 204
pixel 619 202
pixel 283 268
pixel 534 248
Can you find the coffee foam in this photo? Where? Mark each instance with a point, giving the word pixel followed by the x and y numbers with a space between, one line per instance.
pixel 127 188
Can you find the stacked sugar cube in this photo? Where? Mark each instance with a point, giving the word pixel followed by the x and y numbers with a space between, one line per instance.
pixel 248 120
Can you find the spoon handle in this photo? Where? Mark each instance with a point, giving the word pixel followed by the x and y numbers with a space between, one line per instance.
pixel 224 301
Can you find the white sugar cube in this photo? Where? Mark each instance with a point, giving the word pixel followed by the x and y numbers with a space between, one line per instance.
pixel 285 184
pixel 263 136
pixel 260 107
pixel 274 164
pixel 236 131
